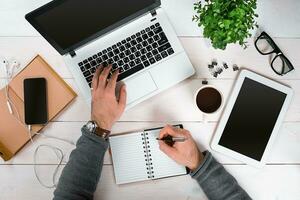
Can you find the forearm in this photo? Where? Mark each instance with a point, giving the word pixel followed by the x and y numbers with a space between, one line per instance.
pixel 216 182
pixel 80 176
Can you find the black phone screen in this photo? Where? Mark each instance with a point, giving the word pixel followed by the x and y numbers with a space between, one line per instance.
pixel 35 100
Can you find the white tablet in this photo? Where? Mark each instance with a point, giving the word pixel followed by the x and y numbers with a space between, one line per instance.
pixel 251 118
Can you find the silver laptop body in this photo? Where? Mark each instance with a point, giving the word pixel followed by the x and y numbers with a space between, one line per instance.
pixel 159 66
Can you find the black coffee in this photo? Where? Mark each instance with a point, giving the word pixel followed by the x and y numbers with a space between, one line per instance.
pixel 208 100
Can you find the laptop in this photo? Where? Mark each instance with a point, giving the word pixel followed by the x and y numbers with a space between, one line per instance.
pixel 134 36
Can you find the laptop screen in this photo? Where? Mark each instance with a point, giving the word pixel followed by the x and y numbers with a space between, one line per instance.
pixel 70 23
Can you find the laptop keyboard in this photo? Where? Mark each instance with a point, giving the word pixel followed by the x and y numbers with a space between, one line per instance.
pixel 130 55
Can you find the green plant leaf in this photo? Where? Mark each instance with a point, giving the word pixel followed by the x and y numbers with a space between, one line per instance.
pixel 226 21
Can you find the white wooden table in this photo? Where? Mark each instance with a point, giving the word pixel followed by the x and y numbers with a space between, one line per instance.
pixel 280 179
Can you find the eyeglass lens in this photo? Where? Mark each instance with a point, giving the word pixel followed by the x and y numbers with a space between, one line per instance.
pixel 264 45
pixel 281 65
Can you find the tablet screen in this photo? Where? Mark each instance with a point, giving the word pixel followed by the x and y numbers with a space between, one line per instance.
pixel 252 119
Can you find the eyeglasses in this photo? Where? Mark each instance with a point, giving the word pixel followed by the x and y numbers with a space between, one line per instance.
pixel 266 46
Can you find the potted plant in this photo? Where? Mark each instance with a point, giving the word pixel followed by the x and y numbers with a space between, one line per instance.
pixel 226 21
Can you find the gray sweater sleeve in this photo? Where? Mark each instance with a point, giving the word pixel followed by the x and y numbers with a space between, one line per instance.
pixel 216 182
pixel 80 176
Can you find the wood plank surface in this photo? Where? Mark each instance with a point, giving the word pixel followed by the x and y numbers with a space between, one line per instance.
pixel 180 97
pixel 278 180
pixel 199 51
pixel 285 150
pixel 272 183
pixel 277 17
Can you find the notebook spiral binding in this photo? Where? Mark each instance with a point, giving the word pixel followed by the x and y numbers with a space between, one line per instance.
pixel 147 153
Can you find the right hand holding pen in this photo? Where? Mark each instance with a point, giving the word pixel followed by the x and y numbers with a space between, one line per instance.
pixel 185 153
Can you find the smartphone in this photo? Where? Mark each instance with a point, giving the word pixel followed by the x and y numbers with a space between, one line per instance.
pixel 35 101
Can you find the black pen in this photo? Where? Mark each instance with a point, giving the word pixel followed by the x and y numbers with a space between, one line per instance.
pixel 172 139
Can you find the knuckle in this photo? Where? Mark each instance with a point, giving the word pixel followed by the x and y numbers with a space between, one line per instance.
pixel 160 147
pixel 102 78
pixel 168 127
pixel 94 97
pixel 163 150
pixel 186 132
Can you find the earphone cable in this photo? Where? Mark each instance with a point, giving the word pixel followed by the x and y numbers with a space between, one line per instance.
pixel 58 152
pixel 13 109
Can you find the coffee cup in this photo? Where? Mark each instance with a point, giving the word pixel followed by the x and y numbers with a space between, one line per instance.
pixel 208 99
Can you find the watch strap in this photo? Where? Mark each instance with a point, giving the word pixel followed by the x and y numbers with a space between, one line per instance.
pixel 102 132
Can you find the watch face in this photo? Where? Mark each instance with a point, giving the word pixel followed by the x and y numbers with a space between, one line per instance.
pixel 90 126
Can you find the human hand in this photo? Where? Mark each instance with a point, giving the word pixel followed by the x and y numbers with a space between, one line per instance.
pixel 106 108
pixel 185 153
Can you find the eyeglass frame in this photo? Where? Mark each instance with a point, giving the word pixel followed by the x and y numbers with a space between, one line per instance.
pixel 277 51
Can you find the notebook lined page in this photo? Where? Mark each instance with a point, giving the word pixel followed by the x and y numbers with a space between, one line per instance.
pixel 128 158
pixel 163 166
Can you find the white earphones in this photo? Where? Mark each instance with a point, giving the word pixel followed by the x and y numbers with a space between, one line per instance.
pixel 4 62
pixel 10 66
pixel 9 73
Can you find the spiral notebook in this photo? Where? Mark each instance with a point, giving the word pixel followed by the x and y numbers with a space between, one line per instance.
pixel 137 157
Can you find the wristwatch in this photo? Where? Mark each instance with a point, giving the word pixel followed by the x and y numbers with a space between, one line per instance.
pixel 93 128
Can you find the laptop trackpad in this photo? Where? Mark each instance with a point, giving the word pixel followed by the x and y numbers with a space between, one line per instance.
pixel 139 86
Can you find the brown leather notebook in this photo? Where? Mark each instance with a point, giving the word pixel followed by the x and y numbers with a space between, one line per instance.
pixel 13 133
